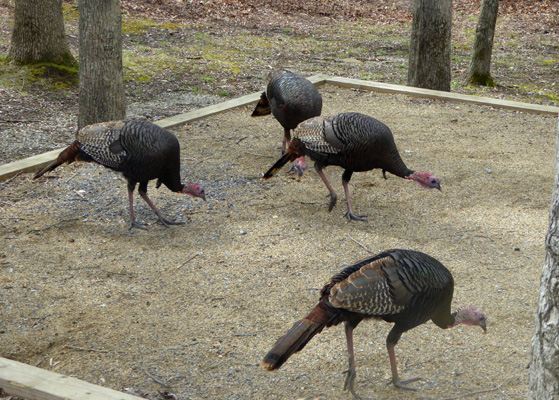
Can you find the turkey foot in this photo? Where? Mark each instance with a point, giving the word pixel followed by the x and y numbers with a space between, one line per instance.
pixel 349 383
pixel 134 224
pixel 166 222
pixel 351 216
pixel 333 199
pixel 402 384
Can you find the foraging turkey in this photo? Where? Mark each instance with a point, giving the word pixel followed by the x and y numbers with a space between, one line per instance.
pixel 141 150
pixel 292 99
pixel 405 287
pixel 355 142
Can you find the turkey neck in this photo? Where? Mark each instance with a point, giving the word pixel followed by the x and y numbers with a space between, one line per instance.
pixel 174 185
pixel 396 166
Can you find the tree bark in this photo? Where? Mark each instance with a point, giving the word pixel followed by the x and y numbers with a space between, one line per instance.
pixel 101 89
pixel 429 59
pixel 480 66
pixel 38 34
pixel 544 364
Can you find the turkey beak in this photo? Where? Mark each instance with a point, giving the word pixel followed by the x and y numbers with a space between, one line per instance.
pixel 483 325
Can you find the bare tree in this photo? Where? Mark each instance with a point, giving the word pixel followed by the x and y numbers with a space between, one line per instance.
pixel 544 365
pixel 38 34
pixel 101 91
pixel 429 58
pixel 480 66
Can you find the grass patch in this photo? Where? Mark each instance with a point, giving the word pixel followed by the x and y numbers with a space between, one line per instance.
pixel 141 26
pixel 46 76
pixel 550 63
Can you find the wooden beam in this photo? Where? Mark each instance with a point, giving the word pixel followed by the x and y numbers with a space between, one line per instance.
pixel 439 95
pixel 31 383
pixel 226 105
pixel 30 164
pixel 207 111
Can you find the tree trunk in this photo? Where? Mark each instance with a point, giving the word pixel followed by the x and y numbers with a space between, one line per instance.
pixel 38 34
pixel 480 66
pixel 429 59
pixel 544 365
pixel 101 92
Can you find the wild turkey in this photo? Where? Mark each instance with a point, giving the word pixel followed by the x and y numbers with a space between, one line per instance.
pixel 355 142
pixel 141 150
pixel 405 287
pixel 292 99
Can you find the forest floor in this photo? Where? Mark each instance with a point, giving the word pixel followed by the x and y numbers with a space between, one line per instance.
pixel 188 312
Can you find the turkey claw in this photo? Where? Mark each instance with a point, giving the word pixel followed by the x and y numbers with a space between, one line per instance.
pixel 166 222
pixel 135 224
pixel 349 383
pixel 351 216
pixel 402 384
pixel 333 199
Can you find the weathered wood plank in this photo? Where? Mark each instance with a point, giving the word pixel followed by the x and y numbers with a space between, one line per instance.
pixel 439 95
pixel 31 383
pixel 226 105
pixel 207 111
pixel 30 164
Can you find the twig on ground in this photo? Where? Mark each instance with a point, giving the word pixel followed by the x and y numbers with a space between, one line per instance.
pixel 72 177
pixel 370 251
pixel 156 379
pixel 187 261
pixel 69 346
pixel 461 396
pixel 12 178
pixel 16 121
pixel 114 272
pixel 246 334
pixel 54 224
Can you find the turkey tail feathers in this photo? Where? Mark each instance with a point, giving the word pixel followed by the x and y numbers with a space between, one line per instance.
pixel 300 334
pixel 49 167
pixel 287 157
pixel 262 107
pixel 293 341
pixel 70 154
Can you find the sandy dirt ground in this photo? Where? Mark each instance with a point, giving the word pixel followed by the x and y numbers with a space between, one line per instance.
pixel 191 310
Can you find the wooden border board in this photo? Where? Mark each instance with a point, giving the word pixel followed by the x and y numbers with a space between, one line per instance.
pixel 35 163
pixel 32 383
pixel 440 95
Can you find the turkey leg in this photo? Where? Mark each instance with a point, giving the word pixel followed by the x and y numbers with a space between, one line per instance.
pixel 345 183
pixel 133 223
pixel 163 220
pixel 350 380
pixel 391 342
pixel 333 195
